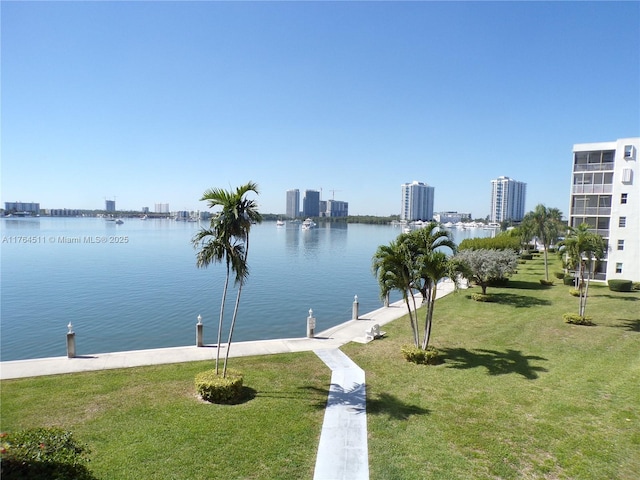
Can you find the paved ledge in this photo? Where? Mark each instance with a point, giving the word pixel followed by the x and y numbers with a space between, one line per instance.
pixel 335 337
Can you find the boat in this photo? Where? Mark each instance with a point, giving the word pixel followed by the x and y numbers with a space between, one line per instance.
pixel 308 224
pixel 279 223
pixel 119 221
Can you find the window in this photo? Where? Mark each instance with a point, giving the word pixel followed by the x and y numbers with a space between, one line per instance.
pixel 620 244
pixel 627 175
pixel 618 267
pixel 629 152
pixel 622 222
pixel 623 198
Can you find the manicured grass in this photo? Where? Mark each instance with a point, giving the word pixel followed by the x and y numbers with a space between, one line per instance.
pixel 146 423
pixel 520 395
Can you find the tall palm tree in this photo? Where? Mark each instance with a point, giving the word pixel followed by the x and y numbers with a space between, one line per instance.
pixel 228 239
pixel 583 249
pixel 546 224
pixel 392 266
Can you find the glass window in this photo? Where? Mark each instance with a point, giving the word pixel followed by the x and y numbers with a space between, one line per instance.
pixel 604 200
pixel 628 152
pixel 594 157
pixel 618 267
pixel 608 178
pixel 622 222
pixel 580 158
pixel 620 244
pixel 623 198
pixel 607 156
pixel 603 223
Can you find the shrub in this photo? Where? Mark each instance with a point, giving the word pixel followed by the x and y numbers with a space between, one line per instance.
pixel 498 282
pixel 411 353
pixel 568 280
pixel 480 297
pixel 522 262
pixel 636 285
pixel 620 285
pixel 546 283
pixel 559 275
pixel 526 256
pixel 575 292
pixel 576 319
pixel 500 242
pixel 43 453
pixel 215 388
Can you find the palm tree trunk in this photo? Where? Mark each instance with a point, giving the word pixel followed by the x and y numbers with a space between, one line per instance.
pixel 414 329
pixel 235 313
pixel 427 319
pixel 546 265
pixel 224 300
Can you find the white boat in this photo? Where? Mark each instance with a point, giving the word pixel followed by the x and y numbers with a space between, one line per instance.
pixel 308 224
pixel 279 223
pixel 119 221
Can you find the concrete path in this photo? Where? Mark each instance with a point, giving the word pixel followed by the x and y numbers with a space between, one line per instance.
pixel 342 452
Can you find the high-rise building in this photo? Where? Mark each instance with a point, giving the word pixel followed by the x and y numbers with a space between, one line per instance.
pixel 417 201
pixel 311 204
pixel 337 208
pixel 605 194
pixel 507 200
pixel 161 208
pixel 293 203
pixel 110 205
pixel 22 208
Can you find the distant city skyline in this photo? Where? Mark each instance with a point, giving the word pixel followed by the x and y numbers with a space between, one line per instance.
pixel 155 102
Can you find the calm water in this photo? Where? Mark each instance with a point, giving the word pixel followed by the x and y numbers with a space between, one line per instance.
pixel 141 289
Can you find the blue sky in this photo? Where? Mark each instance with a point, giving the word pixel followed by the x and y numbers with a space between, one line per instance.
pixel 154 102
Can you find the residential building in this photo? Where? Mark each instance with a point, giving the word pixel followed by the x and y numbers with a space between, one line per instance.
pixel 21 208
pixel 337 208
pixel 311 204
pixel 451 217
pixel 605 194
pixel 161 208
pixel 417 201
pixel 293 203
pixel 507 200
pixel 110 205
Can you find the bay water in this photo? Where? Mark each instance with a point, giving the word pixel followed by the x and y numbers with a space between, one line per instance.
pixel 135 285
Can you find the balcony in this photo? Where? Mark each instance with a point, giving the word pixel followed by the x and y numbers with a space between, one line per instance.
pixel 591 211
pixel 592 167
pixel 592 189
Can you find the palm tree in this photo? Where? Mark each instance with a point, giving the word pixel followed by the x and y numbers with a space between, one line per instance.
pixel 546 224
pixel 228 239
pixel 393 269
pixel 427 247
pixel 583 249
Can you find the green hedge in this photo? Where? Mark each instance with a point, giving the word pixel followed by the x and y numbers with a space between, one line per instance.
pixel 568 280
pixel 215 388
pixel 500 242
pixel 576 319
pixel 43 454
pixel 620 285
pixel 417 355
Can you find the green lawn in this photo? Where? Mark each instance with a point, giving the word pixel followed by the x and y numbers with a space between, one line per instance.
pixel 521 395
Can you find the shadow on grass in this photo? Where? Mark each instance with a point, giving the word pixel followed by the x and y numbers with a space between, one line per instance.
pixel 522 285
pixel 496 363
pixel 618 297
pixel 518 301
pixel 356 400
pixel 629 324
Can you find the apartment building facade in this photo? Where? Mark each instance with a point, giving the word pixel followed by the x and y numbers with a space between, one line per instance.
pixel 293 203
pixel 417 201
pixel 507 200
pixel 605 194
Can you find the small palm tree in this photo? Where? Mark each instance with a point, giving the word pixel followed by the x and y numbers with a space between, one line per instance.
pixel 228 239
pixel 583 249
pixel 546 224
pixel 393 269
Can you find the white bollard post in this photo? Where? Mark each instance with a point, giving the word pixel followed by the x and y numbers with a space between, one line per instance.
pixel 199 332
pixel 355 308
pixel 311 324
pixel 71 342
